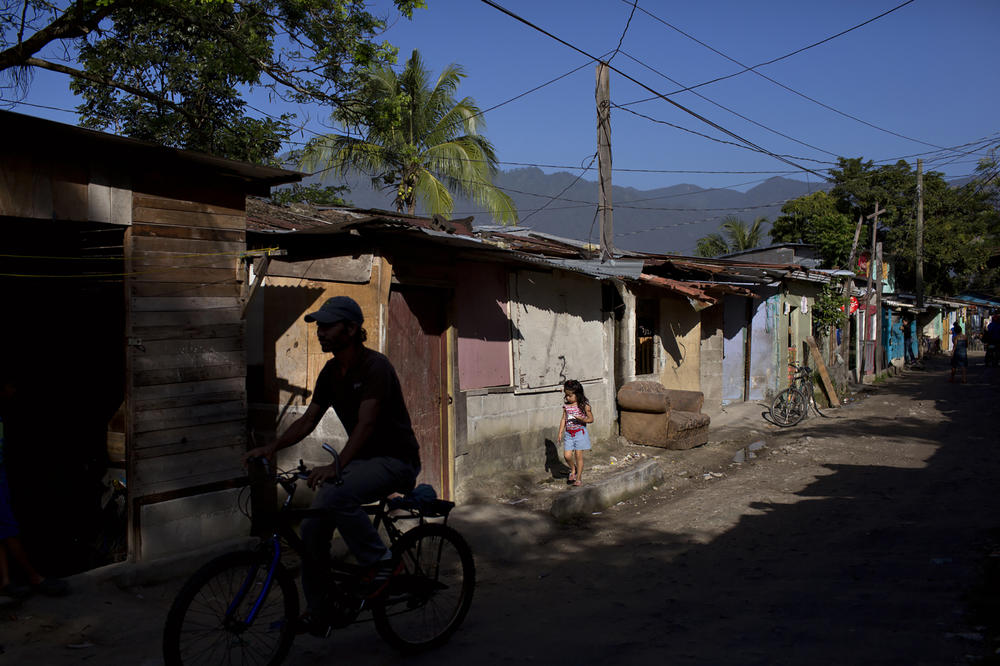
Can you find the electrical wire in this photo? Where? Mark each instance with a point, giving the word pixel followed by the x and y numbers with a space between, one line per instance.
pixel 726 108
pixel 747 68
pixel 723 141
pixel 621 39
pixel 563 191
pixel 683 108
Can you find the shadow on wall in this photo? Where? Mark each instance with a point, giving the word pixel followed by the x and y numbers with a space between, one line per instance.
pixel 280 308
pixel 671 343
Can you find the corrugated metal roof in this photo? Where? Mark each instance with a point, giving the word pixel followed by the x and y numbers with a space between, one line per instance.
pixel 263 215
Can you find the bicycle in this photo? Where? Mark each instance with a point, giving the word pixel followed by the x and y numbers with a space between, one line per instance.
pixel 243 607
pixel 791 405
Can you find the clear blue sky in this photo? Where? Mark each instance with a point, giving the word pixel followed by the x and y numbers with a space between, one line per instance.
pixel 926 71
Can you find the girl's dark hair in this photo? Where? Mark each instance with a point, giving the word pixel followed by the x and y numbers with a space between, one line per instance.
pixel 577 389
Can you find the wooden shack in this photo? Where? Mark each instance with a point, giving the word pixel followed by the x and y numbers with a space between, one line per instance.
pixel 123 278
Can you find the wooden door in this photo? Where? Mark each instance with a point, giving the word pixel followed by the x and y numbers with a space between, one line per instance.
pixel 416 345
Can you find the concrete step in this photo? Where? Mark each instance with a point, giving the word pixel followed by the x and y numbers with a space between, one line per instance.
pixel 608 491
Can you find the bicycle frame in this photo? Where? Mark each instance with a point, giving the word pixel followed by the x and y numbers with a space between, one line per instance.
pixel 282 530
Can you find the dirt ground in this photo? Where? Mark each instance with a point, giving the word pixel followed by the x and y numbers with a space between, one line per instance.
pixel 869 537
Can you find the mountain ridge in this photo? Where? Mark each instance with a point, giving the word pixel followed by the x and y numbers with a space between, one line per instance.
pixel 664 220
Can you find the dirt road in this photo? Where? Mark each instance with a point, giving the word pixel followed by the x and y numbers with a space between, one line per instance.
pixel 856 539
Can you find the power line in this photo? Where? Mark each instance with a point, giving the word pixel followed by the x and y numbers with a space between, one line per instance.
pixel 723 141
pixel 726 108
pixel 561 192
pixel 635 3
pixel 747 68
pixel 753 68
pixel 655 92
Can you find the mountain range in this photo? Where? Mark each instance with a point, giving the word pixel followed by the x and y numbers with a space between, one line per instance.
pixel 663 220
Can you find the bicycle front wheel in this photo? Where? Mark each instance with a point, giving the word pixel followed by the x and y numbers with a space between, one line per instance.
pixel 208 621
pixel 788 407
pixel 427 600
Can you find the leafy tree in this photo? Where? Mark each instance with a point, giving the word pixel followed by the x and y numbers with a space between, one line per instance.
pixel 417 139
pixel 735 236
pixel 815 219
pixel 313 194
pixel 957 221
pixel 175 71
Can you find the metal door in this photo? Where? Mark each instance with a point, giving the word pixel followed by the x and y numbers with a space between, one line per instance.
pixel 416 345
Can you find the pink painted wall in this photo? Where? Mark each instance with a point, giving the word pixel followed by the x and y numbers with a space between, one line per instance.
pixel 483 326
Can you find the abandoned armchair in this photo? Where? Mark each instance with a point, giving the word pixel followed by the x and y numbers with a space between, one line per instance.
pixel 653 415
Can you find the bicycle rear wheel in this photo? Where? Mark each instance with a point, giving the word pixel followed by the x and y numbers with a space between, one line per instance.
pixel 427 601
pixel 788 407
pixel 206 623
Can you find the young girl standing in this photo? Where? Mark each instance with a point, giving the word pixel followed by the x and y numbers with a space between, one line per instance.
pixel 573 428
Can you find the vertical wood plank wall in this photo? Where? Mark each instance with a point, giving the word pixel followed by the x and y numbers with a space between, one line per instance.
pixel 187 358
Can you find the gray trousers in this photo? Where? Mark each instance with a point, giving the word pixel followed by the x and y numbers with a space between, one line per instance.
pixel 365 481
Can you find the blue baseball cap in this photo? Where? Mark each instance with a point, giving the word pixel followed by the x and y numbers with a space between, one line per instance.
pixel 338 308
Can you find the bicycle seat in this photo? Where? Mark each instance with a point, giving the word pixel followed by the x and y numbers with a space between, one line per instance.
pixel 424 500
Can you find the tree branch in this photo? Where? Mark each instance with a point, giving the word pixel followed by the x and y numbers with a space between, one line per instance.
pixel 138 92
pixel 78 20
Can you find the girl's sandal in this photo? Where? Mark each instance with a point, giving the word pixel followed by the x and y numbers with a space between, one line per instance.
pixel 572 476
pixel 577 483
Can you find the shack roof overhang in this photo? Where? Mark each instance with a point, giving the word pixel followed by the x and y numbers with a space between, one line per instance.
pixel 307 232
pixel 54 133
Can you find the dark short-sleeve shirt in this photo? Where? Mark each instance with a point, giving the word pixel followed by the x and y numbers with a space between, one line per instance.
pixel 371 377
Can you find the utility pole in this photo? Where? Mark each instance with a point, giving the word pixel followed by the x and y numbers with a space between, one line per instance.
pixel 869 333
pixel 879 361
pixel 920 234
pixel 604 210
pixel 845 338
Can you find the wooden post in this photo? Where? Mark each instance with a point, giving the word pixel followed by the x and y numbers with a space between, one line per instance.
pixel 868 289
pixel 879 360
pixel 845 338
pixel 831 390
pixel 602 95
pixel 920 234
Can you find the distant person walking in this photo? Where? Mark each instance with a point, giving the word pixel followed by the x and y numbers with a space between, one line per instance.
pixel 959 354
pixel 573 428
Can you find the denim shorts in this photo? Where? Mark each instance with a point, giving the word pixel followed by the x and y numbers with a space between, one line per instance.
pixel 578 442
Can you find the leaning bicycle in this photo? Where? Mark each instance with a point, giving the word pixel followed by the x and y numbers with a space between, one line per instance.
pixel 243 607
pixel 791 405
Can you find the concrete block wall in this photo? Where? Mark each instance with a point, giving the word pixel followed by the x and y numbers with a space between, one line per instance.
pixel 711 358
pixel 189 523
pixel 507 431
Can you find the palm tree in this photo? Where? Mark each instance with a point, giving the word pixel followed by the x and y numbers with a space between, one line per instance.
pixel 417 139
pixel 740 237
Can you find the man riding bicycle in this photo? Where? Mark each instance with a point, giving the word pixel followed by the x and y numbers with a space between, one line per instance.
pixel 381 455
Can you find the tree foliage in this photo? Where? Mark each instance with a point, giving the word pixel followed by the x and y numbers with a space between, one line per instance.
pixel 815 219
pixel 313 194
pixel 176 71
pixel 734 236
pixel 417 139
pixel 960 223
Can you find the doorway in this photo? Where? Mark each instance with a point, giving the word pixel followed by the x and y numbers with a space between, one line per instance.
pixel 417 346
pixel 62 347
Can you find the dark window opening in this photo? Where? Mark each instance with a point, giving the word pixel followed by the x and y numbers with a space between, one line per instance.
pixel 647 324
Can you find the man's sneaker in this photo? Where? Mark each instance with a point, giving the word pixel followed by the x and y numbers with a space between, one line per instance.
pixel 376 579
